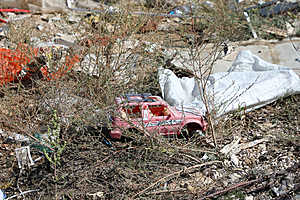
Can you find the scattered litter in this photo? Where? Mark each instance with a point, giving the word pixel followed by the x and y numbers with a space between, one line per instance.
pixel 97 194
pixel 19 137
pixel 249 145
pixel 235 160
pixel 106 142
pixel 17 66
pixel 40 27
pixel 14 136
pixel 13 10
pixel 234 147
pixel 249 197
pixel 111 10
pixel 24 157
pixel 269 9
pixel 22 193
pixel 55 19
pixel 274 7
pixel 205 157
pixel 3 29
pixel 254 34
pixel 2 195
pixel 183 10
pixel 44 142
pixel 231 150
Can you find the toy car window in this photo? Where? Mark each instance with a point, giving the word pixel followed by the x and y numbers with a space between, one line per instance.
pixel 132 111
pixel 159 110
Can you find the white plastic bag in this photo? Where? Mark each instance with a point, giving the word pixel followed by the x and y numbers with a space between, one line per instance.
pixel 250 83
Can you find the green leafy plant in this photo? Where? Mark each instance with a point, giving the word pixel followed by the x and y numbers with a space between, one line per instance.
pixel 53 133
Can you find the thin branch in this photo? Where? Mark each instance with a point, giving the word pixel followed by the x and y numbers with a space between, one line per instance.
pixel 196 150
pixel 191 157
pixel 170 176
pixel 167 191
pixel 22 193
pixel 239 185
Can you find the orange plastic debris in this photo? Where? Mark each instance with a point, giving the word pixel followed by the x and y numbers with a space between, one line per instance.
pixel 14 65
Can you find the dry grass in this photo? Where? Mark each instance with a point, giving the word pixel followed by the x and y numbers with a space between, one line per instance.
pixel 82 102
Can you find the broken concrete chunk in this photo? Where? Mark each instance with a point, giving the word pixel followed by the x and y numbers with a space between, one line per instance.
pixel 40 5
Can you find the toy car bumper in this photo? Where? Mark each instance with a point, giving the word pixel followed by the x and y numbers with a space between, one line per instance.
pixel 116 133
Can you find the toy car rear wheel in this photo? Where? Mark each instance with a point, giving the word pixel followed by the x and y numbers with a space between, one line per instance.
pixel 187 132
pixel 190 129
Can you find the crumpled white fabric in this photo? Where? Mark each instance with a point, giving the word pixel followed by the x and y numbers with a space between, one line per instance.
pixel 250 83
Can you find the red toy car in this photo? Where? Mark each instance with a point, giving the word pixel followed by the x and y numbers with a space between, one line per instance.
pixel 152 115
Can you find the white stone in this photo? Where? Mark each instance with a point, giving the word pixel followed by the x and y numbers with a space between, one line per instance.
pixel 249 198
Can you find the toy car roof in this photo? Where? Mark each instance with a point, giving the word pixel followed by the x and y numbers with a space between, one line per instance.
pixel 131 98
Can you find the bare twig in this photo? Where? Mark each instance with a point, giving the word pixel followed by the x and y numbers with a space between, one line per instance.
pixel 22 193
pixel 239 185
pixel 167 191
pixel 196 150
pixel 191 157
pixel 170 176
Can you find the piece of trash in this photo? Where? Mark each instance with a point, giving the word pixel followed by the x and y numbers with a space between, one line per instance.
pixel 205 157
pixel 13 10
pixel 229 147
pixel 249 198
pixel 16 65
pixel 234 159
pixel 182 10
pixel 248 145
pixel 3 29
pixel 70 3
pixel 2 195
pixel 254 34
pixel 234 147
pixel 248 84
pixel 44 141
pixel 40 27
pixel 97 194
pixel 14 136
pixel 24 157
pixel 275 7
pixel 106 142
pixel 18 137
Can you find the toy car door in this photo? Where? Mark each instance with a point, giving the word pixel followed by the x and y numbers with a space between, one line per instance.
pixel 159 119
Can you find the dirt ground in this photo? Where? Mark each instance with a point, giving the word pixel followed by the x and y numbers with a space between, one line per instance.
pixel 94 166
pixel 169 168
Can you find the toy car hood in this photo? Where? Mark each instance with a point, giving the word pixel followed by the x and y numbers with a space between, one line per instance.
pixel 189 110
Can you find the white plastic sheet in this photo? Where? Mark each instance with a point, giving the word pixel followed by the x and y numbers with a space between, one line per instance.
pixel 250 83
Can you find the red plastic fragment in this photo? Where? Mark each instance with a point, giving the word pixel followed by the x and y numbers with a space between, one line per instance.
pixel 13 10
